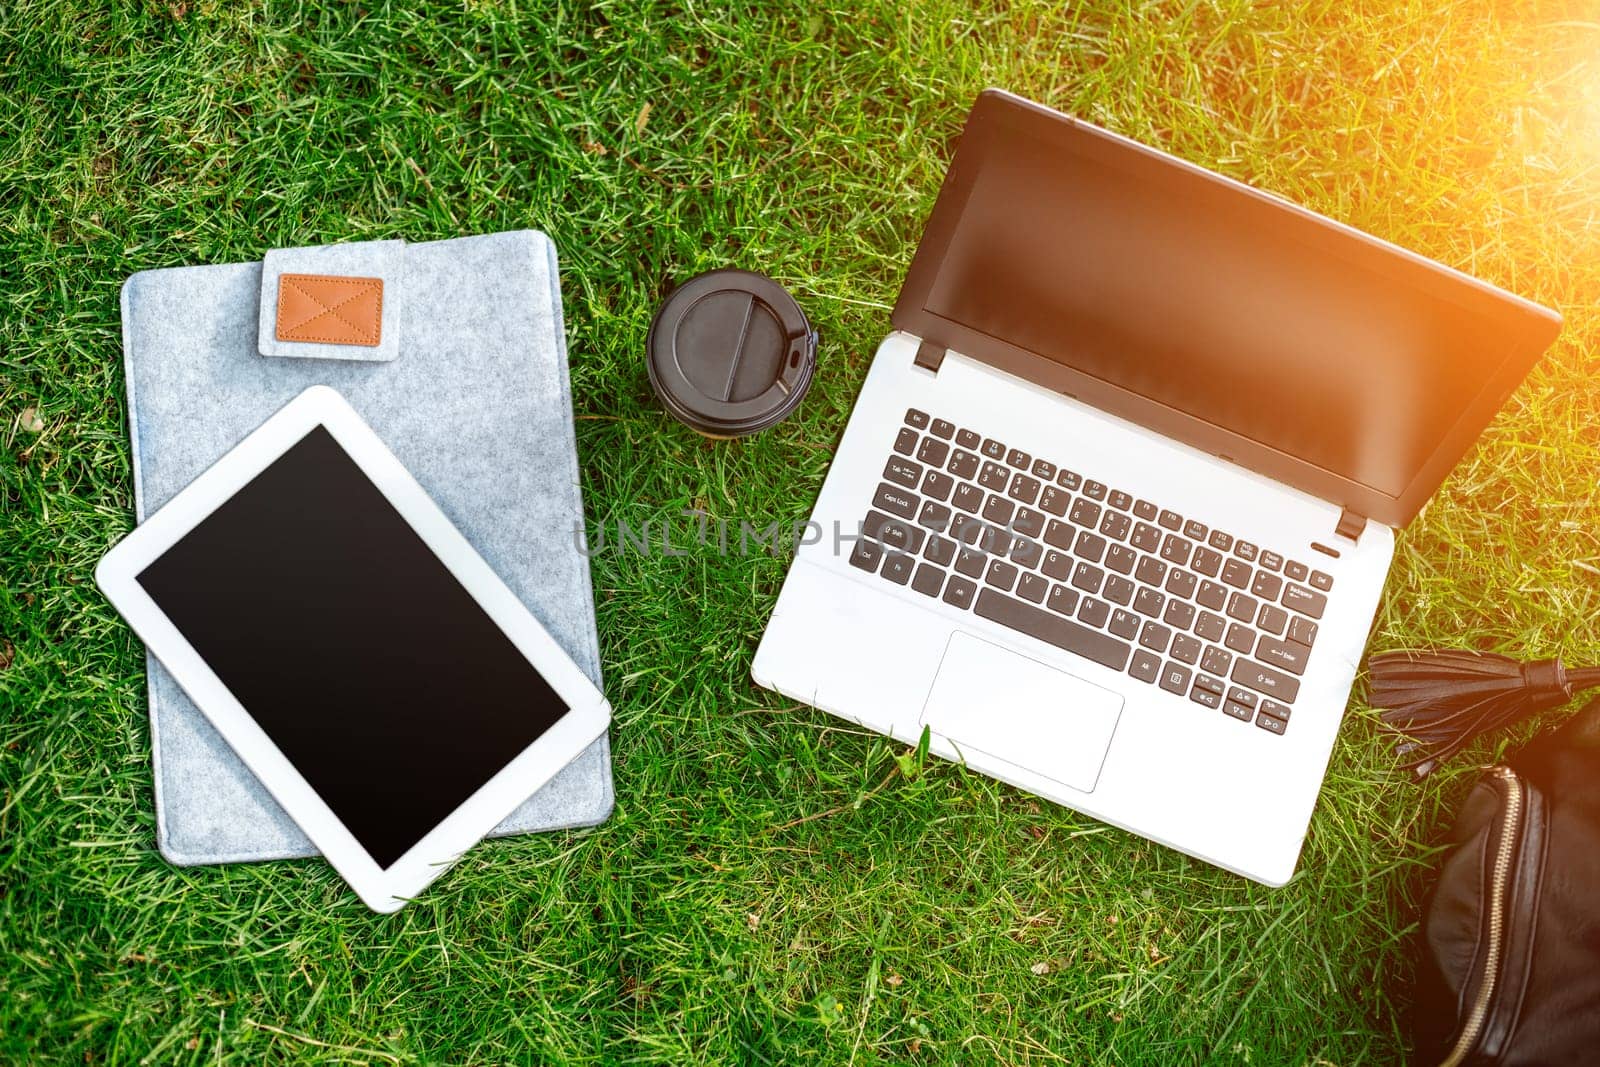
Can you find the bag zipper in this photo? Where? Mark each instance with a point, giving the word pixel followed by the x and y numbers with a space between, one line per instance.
pixel 1499 881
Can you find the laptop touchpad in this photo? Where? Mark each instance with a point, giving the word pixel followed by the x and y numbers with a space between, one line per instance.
pixel 991 700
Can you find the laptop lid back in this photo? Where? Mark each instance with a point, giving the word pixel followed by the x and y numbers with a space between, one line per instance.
pixel 1213 313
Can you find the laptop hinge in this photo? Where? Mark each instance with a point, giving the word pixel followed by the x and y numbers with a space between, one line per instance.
pixel 929 356
pixel 1350 525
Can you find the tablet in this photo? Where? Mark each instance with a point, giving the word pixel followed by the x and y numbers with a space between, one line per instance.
pixel 364 661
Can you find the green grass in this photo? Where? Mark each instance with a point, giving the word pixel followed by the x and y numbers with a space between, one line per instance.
pixel 774 887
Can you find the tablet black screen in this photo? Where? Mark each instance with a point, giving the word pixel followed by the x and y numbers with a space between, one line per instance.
pixel 351 644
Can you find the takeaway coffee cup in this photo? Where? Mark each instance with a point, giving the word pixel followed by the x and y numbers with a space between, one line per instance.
pixel 730 353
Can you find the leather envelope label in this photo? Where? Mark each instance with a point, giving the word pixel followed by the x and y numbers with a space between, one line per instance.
pixel 330 309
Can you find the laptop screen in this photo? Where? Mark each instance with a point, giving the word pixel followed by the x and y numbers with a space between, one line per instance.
pixel 1191 292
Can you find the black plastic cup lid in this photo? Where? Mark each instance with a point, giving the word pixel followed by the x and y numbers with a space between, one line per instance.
pixel 731 353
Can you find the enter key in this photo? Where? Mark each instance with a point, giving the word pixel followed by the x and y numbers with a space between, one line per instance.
pixel 1289 655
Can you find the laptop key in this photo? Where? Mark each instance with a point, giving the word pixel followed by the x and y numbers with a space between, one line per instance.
pixel 1145 510
pixel 895 533
pixel 1273 708
pixel 1212 595
pixel 1321 580
pixel 1124 623
pixel 1240 638
pixel 1057 564
pixel 1215 661
pixel 1019 459
pixel 1068 479
pixel 1055 501
pixel 1044 470
pixel 916 418
pixel 866 556
pixel 1121 558
pixel 959 591
pixel 1266 585
pixel 1154 636
pixel 968 498
pixel 998 509
pixel 1026 553
pixel 1024 488
pixel 897 568
pixel 1206 561
pixel 1181 582
pixel 1059 534
pixel 1185 648
pixel 1285 654
pixel 1245 551
pixel 1149 602
pixel 1028 523
pixel 1266 681
pixel 1170 520
pixel 935 516
pixel 1299 598
pixel 1205 697
pixel 968 440
pixel 1272 724
pixel 905 442
pixel 1178 615
pixel 1271 560
pixel 1195 531
pixel 902 472
pixel 1209 627
pixel 1118 590
pixel 944 428
pixel 1085 512
pixel 1239 711
pixel 1094 612
pixel 994 477
pixel 1243 696
pixel 1033 588
pixel 1116 525
pixel 1147 537
pixel 1120 500
pixel 940 550
pixel 1063 599
pixel 938 485
pixel 963 464
pixel 1053 629
pixel 1088 577
pixel 1175 550
pixel 970 563
pixel 1000 575
pixel 1221 541
pixel 1090 546
pixel 933 451
pixel 1236 573
pixel 1272 619
pixel 1296 571
pixel 1243 607
pixel 1094 490
pixel 1302 629
pixel 1151 571
pixel 928 580
pixel 1146 666
pixel 1175 678
pixel 993 449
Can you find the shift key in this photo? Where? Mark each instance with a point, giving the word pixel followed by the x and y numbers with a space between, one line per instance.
pixel 1275 684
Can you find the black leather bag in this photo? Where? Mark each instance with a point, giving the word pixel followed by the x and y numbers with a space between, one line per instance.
pixel 1510 968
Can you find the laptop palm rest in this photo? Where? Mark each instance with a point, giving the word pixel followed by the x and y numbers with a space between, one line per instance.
pixel 1005 705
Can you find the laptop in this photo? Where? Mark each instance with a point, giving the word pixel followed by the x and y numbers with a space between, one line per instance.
pixel 1114 509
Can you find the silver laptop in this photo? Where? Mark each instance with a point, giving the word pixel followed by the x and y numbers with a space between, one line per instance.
pixel 1113 512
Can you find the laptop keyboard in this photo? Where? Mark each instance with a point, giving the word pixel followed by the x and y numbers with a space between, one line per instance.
pixel 1131 585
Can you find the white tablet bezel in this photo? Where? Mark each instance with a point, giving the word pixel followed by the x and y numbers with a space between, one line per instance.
pixel 382 889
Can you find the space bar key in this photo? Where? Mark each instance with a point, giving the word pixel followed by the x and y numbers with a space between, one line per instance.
pixel 1063 633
